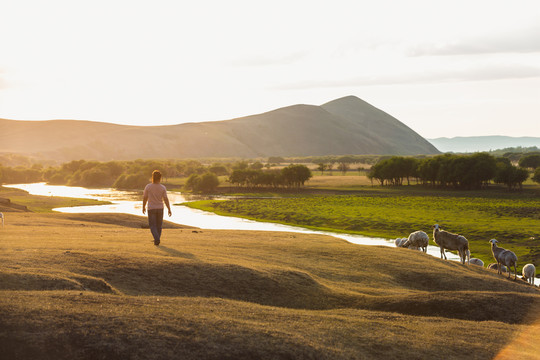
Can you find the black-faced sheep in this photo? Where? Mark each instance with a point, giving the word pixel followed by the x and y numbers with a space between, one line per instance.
pixel 504 257
pixel 417 240
pixel 529 272
pixel 447 240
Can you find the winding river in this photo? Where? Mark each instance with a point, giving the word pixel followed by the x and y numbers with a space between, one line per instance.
pixel 130 202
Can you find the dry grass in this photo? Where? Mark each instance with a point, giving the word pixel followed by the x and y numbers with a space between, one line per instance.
pixel 73 286
pixel 343 182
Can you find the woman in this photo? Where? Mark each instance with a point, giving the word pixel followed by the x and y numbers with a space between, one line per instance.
pixel 155 194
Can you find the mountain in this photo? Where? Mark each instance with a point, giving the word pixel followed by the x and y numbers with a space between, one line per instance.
pixel 482 143
pixel 343 126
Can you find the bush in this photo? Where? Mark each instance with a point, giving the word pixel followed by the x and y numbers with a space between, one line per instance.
pixel 206 183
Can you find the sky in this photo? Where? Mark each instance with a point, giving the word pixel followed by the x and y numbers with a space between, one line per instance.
pixel 444 68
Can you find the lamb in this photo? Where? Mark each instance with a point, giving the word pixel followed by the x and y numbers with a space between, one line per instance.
pixel 495 266
pixel 417 240
pixel 529 272
pixel 504 257
pixel 447 240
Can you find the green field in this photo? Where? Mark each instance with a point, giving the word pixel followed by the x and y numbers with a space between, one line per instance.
pixel 513 219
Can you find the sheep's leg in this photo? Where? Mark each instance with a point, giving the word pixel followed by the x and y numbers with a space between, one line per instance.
pixel 443 255
pixel 461 256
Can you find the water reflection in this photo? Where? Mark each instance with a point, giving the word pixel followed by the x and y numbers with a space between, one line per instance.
pixel 130 202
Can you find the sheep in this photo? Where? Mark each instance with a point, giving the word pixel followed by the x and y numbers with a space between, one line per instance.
pixel 504 257
pixel 417 240
pixel 400 241
pixel 2 218
pixel 529 272
pixel 476 261
pixel 495 266
pixel 447 240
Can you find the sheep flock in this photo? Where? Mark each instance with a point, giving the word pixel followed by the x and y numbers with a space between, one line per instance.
pixel 505 259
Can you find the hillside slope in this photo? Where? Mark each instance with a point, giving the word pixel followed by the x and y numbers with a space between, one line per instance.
pixel 72 287
pixel 344 126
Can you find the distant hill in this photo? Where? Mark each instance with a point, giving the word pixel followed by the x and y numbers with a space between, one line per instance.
pixel 482 143
pixel 343 126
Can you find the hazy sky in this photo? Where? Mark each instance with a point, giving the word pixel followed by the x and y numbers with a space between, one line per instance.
pixel 444 68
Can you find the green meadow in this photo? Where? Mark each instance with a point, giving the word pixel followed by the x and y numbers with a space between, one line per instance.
pixel 511 218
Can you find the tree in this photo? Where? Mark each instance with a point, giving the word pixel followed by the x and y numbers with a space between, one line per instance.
pixel 511 176
pixel 208 183
pixel 329 167
pixel 218 169
pixel 530 161
pixel 321 167
pixel 256 166
pixel 296 175
pixel 192 182
pixel 276 160
pixel 536 176
pixel 343 167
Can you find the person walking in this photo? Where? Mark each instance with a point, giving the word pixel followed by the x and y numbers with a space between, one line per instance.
pixel 155 194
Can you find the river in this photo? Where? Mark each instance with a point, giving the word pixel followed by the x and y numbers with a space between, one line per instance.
pixel 130 202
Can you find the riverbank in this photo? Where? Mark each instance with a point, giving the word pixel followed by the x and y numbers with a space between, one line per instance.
pixel 19 200
pixel 102 290
pixel 513 219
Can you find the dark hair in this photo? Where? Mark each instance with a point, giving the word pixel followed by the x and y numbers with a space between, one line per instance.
pixel 156 176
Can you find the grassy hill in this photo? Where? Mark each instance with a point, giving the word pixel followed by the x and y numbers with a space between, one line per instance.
pixel 73 286
pixel 344 126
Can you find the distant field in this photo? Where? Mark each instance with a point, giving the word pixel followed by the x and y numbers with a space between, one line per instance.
pixel 349 181
pixel 74 287
pixel 513 219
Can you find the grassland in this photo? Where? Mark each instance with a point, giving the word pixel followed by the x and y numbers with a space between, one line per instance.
pixel 74 287
pixel 345 206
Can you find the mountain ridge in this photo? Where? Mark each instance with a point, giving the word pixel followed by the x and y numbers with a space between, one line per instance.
pixel 482 143
pixel 343 126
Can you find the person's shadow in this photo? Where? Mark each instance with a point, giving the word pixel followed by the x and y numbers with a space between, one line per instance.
pixel 174 252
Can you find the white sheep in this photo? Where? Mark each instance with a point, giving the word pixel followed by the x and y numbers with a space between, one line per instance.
pixel 400 241
pixel 529 272
pixel 504 257
pixel 447 240
pixel 417 240
pixel 495 266
pixel 476 261
pixel 2 218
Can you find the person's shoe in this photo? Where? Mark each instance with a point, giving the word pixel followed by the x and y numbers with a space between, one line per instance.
pixel 156 242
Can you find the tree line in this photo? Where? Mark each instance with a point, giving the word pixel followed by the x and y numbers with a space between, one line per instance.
pixel 292 176
pixel 456 171
pixel 118 174
pixel 136 174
